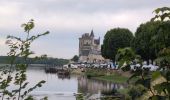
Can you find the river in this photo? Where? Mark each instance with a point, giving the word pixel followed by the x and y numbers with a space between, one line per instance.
pixel 65 88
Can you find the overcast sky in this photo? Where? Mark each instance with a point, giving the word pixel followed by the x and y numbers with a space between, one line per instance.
pixel 67 20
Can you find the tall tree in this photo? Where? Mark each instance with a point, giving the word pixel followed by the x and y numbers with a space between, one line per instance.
pixel 143 40
pixel 114 39
pixel 156 84
pixel 150 38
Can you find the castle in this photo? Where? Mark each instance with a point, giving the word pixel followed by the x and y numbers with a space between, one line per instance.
pixel 89 48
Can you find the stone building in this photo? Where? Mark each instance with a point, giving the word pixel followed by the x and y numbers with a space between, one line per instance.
pixel 89 48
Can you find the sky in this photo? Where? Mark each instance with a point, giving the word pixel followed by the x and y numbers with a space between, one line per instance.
pixel 67 20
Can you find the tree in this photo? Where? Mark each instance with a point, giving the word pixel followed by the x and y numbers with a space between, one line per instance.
pixel 113 40
pixel 162 14
pixel 163 59
pixel 156 85
pixel 75 58
pixel 150 38
pixel 162 36
pixel 143 43
pixel 125 55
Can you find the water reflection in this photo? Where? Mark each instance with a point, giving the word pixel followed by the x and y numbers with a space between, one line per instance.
pixel 95 86
pixel 91 86
pixel 56 87
pixel 63 87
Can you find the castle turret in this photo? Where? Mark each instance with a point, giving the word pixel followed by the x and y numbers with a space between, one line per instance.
pixel 89 48
pixel 92 34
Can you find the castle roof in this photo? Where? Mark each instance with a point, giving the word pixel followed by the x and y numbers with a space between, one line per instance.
pixel 85 35
pixel 92 34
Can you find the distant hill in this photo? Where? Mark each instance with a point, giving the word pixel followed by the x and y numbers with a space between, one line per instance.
pixel 49 61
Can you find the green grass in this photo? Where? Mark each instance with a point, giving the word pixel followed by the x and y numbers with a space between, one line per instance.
pixel 112 78
pixel 105 75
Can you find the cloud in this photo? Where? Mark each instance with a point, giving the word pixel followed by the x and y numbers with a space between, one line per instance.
pixel 68 19
pixel 3 47
pixel 2 41
pixel 71 14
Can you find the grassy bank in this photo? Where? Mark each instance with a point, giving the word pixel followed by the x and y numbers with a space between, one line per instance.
pixel 106 75
pixel 113 78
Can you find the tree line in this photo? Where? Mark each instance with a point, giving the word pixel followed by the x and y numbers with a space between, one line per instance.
pixel 36 60
pixel 147 41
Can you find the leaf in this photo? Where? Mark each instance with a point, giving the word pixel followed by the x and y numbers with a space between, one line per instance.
pixel 155 75
pixel 42 82
pixel 29 98
pixel 157 10
pixel 19 48
pixel 126 68
pixel 162 87
pixel 132 77
pixel 146 82
pixel 45 98
pixel 157 97
pixel 24 86
pixel 161 13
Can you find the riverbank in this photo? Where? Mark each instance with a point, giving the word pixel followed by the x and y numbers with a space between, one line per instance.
pixel 103 74
pixel 112 78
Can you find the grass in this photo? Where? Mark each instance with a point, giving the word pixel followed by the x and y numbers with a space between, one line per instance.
pixel 105 75
pixel 112 78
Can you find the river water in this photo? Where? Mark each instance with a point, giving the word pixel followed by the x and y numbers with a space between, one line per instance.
pixel 65 88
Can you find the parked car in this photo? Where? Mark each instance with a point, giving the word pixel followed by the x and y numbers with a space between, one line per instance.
pixel 103 65
pixel 96 65
pixel 65 66
pixel 73 66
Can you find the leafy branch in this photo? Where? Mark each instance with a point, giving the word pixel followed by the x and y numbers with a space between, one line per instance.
pixel 19 47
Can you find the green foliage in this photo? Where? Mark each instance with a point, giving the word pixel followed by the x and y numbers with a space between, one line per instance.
pixel 164 57
pixel 161 39
pixel 136 91
pixel 115 77
pixel 105 75
pixel 115 39
pixel 19 48
pixel 162 14
pixel 155 75
pixel 152 41
pixel 150 38
pixel 125 55
pixel 164 87
pixel 29 98
pixel 143 42
pixel 94 72
pixel 79 97
pixel 157 97
pixel 144 77
pixel 36 60
pixel 75 58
